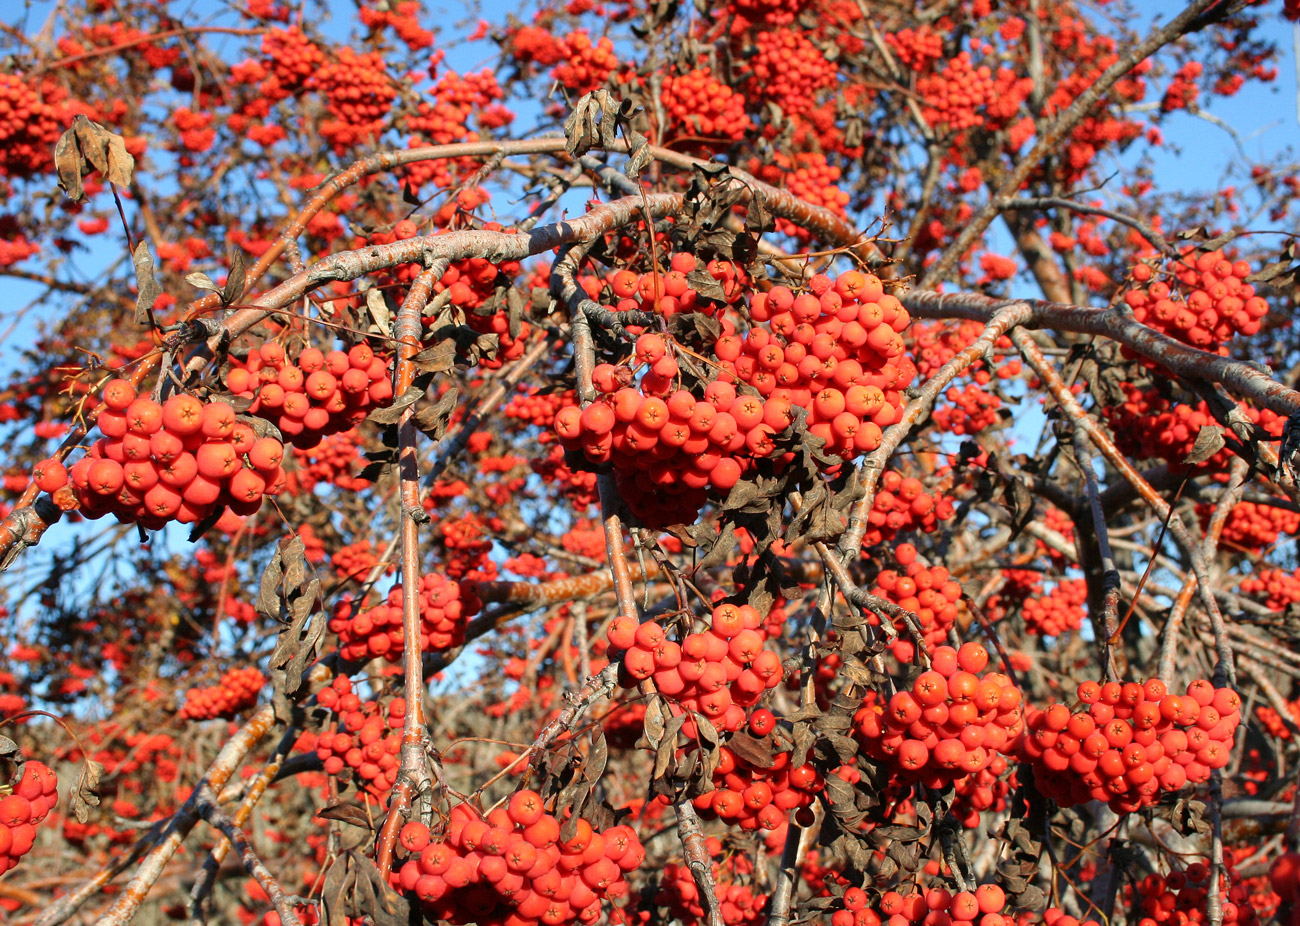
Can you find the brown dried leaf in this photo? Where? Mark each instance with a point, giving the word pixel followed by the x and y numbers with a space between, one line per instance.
pixel 147 288
pixel 1209 441
pixel 347 812
pixel 85 792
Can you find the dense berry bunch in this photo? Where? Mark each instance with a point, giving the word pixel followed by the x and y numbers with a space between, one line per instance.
pixel 928 592
pixel 834 351
pixel 1131 743
pixel 1206 301
pixel 32 117
pixel 949 724
pixel 739 902
pixel 445 609
pixel 1180 897
pixel 697 103
pixel 1059 611
pixel 182 461
pixel 293 60
pixel 1252 526
pixel 937 342
pixel 973 409
pixel 757 797
pixel 717 673
pixel 236 691
pixel 357 560
pixel 1149 425
pixel 670 293
pixel 931 906
pixel 334 461
pixel 366 739
pixel 358 94
pixel 902 504
pixel 987 789
pixel 809 176
pixel 1281 589
pixel 21 811
pixel 954 96
pixel 585 66
pixel 788 69
pixel 916 49
pixel 316 395
pixel 514 866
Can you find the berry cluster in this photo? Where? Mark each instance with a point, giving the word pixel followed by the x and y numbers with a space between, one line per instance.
pixel 182 460
pixel 954 96
pixel 973 409
pixel 987 789
pixel 1281 588
pixel 1059 611
pixel 809 176
pixel 585 66
pixel 1148 425
pixel 21 811
pixel 948 725
pixel 670 292
pixel 316 395
pixel 445 609
pixel 902 504
pixel 368 742
pixel 717 673
pixel 1180 897
pixel 1252 526
pixel 697 103
pixel 928 592
pixel 739 902
pixel 935 343
pixel 236 691
pixel 788 69
pixel 916 49
pixel 32 117
pixel 334 461
pixel 355 561
pixel 513 866
pixel 1131 742
pixel 358 94
pixel 834 351
pixel 755 797
pixel 931 906
pixel 1215 301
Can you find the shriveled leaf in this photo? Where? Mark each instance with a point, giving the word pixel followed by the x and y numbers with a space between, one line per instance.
pixel 757 752
pixel 85 793
pixel 437 359
pixel 146 285
pixel 1209 441
pixel 434 419
pixel 378 308
pixel 236 280
pixel 69 165
pixel 654 723
pixel 347 812
pixel 202 281
pixel 393 413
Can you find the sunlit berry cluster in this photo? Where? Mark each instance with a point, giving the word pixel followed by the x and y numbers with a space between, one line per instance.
pixel 1059 611
pixel 754 797
pixel 1131 742
pixel 33 115
pixel 181 460
pixel 358 94
pixel 740 900
pixel 236 691
pixel 697 103
pixel 954 96
pixel 1180 897
pixel 365 738
pixel 1252 526
pixel 317 394
pixel 927 591
pixel 902 504
pixel 1205 301
pixel 585 66
pixel 718 672
pixel 403 17
pixel 935 343
pixel 334 461
pixel 987 789
pixel 33 796
pixel 788 69
pixel 357 560
pixel 809 176
pixel 1149 425
pixel 973 408
pixel 445 609
pixel 930 906
pixel 915 49
pixel 515 866
pixel 949 724
pixel 1281 589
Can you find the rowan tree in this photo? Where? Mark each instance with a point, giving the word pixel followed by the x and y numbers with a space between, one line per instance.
pixel 761 462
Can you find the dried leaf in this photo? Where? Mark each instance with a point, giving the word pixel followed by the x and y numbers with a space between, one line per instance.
pixel 236 280
pixel 89 145
pixel 347 812
pixel 757 752
pixel 378 308
pixel 433 420
pixel 202 281
pixel 146 285
pixel 437 359
pixel 654 723
pixel 393 413
pixel 85 793
pixel 69 165
pixel 1209 441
